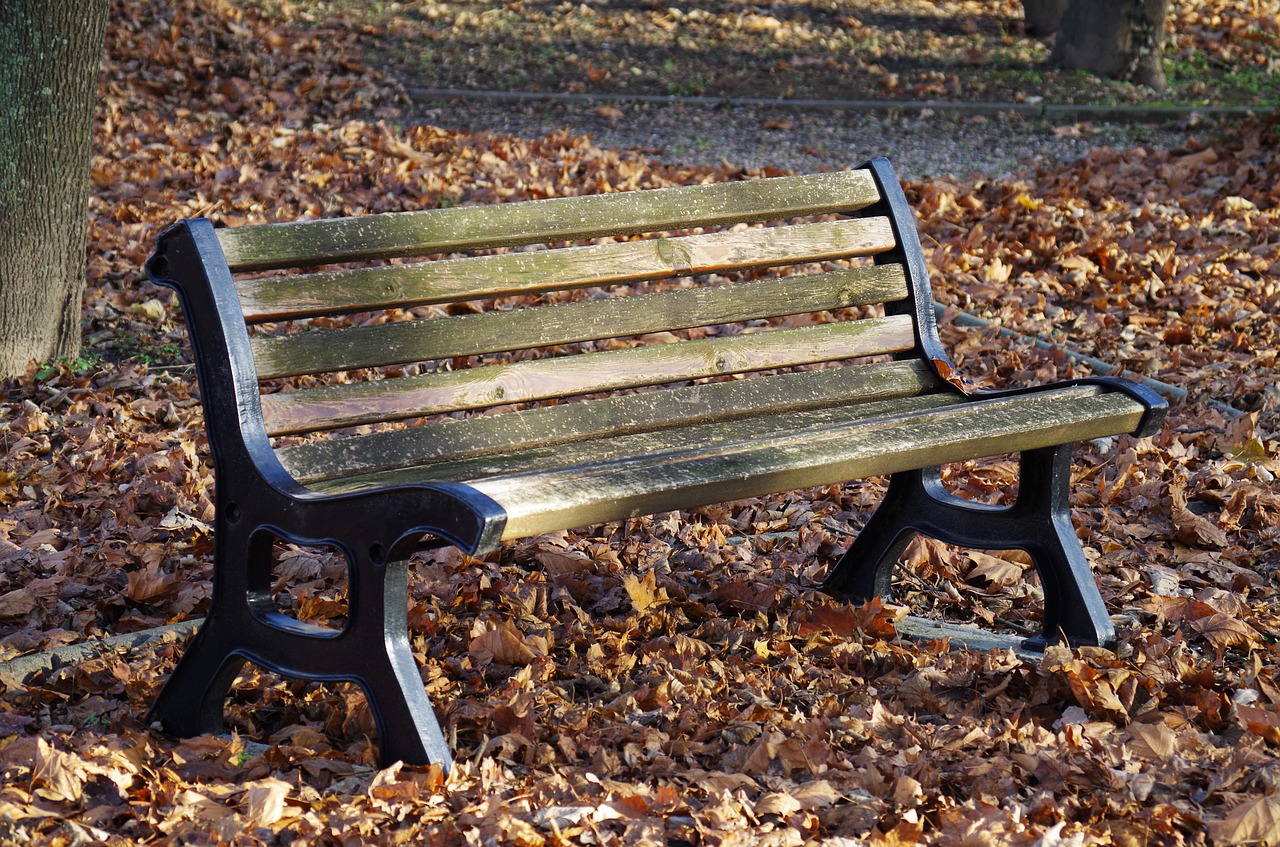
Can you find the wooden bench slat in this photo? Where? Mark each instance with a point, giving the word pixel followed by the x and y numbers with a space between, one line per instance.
pixel 508 274
pixel 583 494
pixel 332 241
pixel 606 447
pixel 335 406
pixel 491 332
pixel 620 414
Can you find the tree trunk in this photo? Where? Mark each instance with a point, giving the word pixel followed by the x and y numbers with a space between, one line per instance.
pixel 1121 39
pixel 50 53
pixel 1043 17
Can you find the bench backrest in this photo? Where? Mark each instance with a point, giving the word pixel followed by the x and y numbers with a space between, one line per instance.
pixel 505 306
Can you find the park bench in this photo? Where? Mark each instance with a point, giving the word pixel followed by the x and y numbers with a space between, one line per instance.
pixel 550 384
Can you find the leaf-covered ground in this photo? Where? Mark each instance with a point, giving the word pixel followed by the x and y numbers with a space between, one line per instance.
pixel 1224 52
pixel 675 679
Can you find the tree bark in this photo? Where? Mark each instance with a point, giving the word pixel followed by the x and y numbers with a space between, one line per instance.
pixel 1043 17
pixel 50 54
pixel 1121 39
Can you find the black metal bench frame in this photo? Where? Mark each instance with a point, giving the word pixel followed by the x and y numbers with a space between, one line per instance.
pixel 378 528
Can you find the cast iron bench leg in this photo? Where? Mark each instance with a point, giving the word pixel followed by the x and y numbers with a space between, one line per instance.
pixel 192 698
pixel 1038 522
pixel 372 651
pixel 382 664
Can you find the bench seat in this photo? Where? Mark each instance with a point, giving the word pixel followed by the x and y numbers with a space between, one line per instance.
pixel 578 477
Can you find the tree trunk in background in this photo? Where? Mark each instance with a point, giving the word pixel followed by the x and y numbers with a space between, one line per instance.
pixel 50 55
pixel 1121 39
pixel 1043 17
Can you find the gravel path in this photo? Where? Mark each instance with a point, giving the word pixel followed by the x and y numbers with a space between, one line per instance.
pixel 920 145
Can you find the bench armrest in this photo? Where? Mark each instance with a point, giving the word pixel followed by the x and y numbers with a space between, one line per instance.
pixel 921 308
pixel 1155 405
pixel 398 517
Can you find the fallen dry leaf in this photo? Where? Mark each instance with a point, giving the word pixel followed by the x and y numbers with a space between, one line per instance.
pixel 263 802
pixel 1255 821
pixel 506 644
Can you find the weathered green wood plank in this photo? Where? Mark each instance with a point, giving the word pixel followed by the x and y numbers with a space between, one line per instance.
pixel 579 495
pixel 617 415
pixel 508 274
pixel 674 439
pixel 491 332
pixel 558 219
pixel 367 402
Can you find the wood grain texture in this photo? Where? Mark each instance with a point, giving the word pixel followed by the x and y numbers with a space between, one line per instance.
pixel 460 228
pixel 490 332
pixel 555 453
pixel 587 493
pixel 343 459
pixel 525 273
pixel 368 402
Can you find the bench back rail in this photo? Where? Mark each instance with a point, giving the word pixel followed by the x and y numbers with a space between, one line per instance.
pixel 515 322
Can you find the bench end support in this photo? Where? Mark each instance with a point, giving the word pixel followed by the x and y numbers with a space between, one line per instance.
pixel 1039 523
